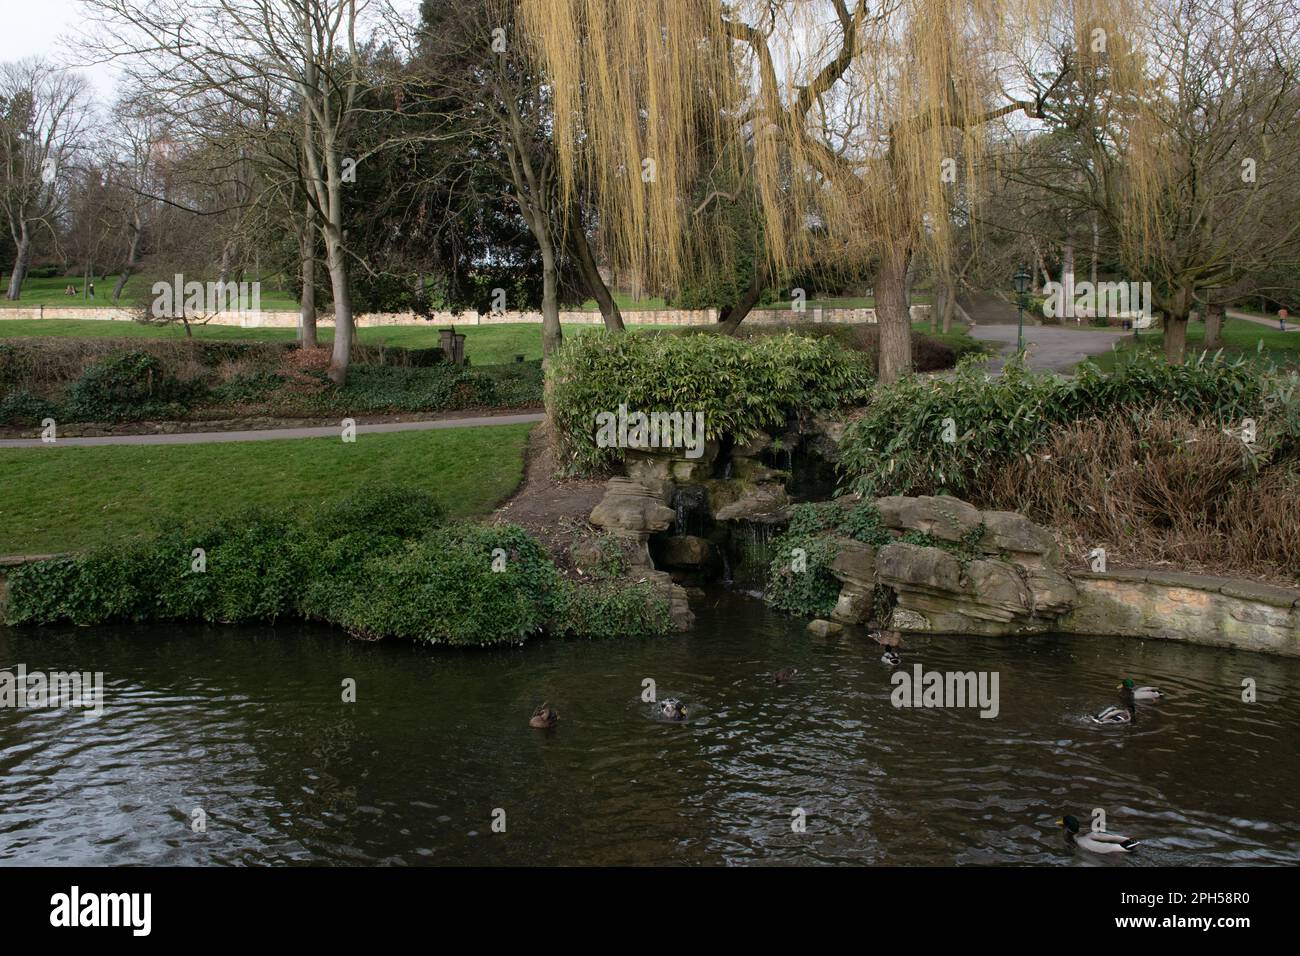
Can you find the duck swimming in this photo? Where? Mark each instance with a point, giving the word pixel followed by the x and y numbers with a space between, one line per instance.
pixel 1126 714
pixel 543 717
pixel 672 709
pixel 887 638
pixel 1095 842
pixel 891 658
pixel 785 675
pixel 1140 693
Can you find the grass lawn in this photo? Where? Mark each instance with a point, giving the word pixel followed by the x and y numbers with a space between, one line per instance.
pixel 71 498
pixel 484 344
pixel 1240 339
pixel 49 292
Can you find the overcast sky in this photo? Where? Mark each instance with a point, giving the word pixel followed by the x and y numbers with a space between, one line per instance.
pixel 37 27
pixel 34 28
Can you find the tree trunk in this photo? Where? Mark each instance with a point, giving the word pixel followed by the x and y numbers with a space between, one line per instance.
pixel 949 307
pixel 1067 275
pixel 307 305
pixel 1175 338
pixel 1214 326
pixel 730 317
pixel 937 306
pixel 609 309
pixel 1096 251
pixel 226 250
pixel 307 308
pixel 132 256
pixel 336 262
pixel 893 315
pixel 21 254
pixel 552 333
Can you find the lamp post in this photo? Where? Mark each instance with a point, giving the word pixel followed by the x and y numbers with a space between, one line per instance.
pixel 1020 282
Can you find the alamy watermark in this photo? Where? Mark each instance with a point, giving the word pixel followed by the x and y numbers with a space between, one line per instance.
pixel 922 688
pixel 204 298
pixel 1071 300
pixel 624 429
pixel 22 688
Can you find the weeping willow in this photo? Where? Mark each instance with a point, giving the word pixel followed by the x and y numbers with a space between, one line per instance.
pixel 841 129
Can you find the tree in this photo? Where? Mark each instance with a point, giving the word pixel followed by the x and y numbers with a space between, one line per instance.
pixel 43 117
pixel 841 120
pixel 218 65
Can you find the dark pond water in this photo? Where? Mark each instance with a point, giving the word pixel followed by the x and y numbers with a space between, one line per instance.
pixel 248 724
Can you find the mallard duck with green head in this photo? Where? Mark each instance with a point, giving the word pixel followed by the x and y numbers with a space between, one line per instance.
pixel 1125 714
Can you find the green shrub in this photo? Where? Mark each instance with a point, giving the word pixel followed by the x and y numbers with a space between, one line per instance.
pixel 380 564
pixel 24 408
pixel 607 610
pixel 897 447
pixel 741 387
pixel 127 386
pixel 442 589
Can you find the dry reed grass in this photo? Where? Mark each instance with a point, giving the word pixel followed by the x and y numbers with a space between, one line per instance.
pixel 1161 488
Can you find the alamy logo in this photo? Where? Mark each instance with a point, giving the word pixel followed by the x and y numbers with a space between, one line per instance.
pixel 1085 300
pixel 204 298
pixel 22 688
pixel 946 689
pixel 626 429
pixel 103 909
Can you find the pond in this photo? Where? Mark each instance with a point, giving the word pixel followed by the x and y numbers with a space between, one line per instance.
pixel 248 725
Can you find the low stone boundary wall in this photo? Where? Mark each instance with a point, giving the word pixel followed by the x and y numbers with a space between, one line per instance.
pixel 273 319
pixel 1196 608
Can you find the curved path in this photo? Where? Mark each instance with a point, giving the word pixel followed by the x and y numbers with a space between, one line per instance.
pixel 269 434
pixel 1050 348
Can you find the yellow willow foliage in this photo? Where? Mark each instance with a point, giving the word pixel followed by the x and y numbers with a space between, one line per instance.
pixel 838 129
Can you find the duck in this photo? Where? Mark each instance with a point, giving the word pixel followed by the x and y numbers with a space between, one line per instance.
pixel 1095 842
pixel 891 658
pixel 544 717
pixel 887 638
pixel 1118 715
pixel 672 709
pixel 785 675
pixel 1141 693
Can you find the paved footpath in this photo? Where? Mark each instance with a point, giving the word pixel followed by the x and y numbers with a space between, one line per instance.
pixel 1291 324
pixel 1050 348
pixel 270 434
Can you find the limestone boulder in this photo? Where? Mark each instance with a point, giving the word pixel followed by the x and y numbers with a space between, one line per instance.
pixel 759 502
pixel 855 563
pixel 910 567
pixel 941 517
pixel 1013 532
pixel 685 551
pixel 679 606
pixel 628 506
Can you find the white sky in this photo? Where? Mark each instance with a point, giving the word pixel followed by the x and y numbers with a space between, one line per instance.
pixel 34 27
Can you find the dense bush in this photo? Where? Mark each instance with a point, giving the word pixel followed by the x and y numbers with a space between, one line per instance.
pixel 125 386
pixel 115 380
pixel 380 564
pixel 443 589
pixel 742 387
pixel 898 447
pixel 606 609
pixel 23 408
